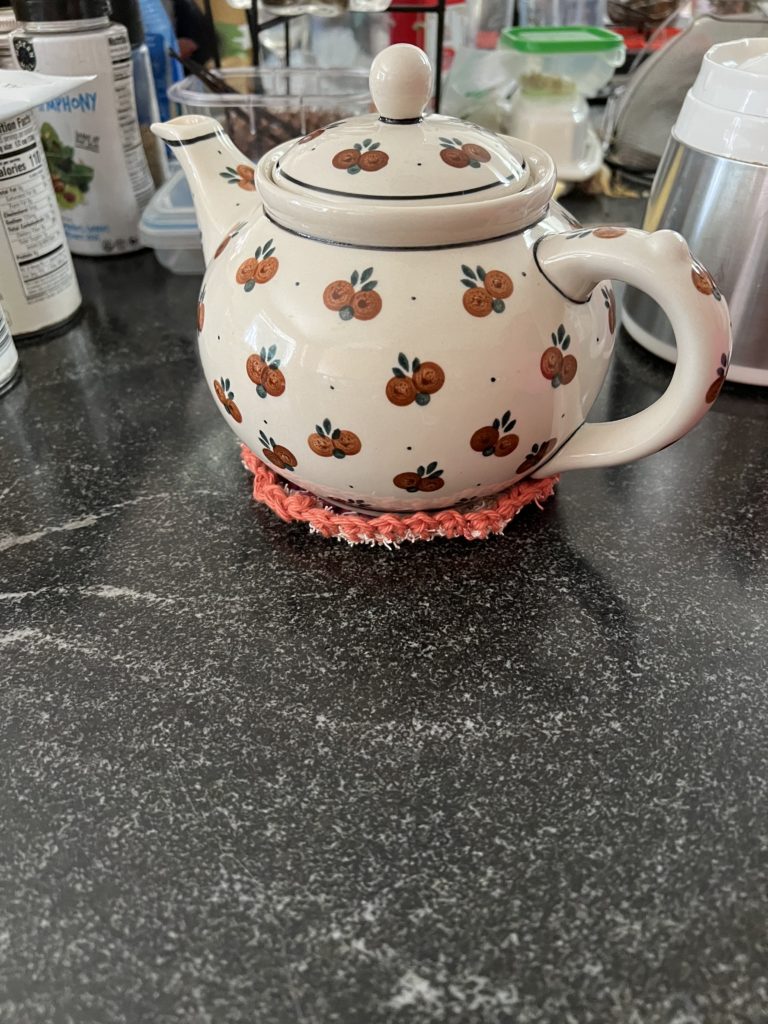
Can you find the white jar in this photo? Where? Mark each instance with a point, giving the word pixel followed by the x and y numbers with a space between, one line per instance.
pixel 91 136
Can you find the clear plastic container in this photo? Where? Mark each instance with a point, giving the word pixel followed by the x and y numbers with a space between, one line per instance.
pixel 169 226
pixel 585 56
pixel 267 106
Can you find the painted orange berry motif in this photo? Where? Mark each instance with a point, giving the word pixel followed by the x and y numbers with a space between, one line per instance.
pixel 555 365
pixel 468 154
pixel 277 454
pixel 327 441
pixel 496 439
pixel 486 290
pixel 610 305
pixel 414 381
pixel 201 310
pixel 264 370
pixel 363 156
pixel 536 454
pixel 704 282
pixel 228 238
pixel 242 176
pixel 227 398
pixel 351 303
pixel 426 478
pixel 609 232
pixel 259 268
pixel 715 387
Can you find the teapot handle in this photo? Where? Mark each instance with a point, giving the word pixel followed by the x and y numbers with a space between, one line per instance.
pixel 660 264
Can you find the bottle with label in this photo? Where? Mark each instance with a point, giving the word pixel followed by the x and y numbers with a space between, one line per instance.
pixel 160 38
pixel 7 24
pixel 91 135
pixel 38 287
pixel 10 371
pixel 128 13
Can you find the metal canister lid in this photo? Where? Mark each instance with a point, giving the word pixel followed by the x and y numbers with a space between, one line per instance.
pixel 60 10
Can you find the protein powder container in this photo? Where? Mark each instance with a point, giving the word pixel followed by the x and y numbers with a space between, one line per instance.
pixel 38 287
pixel 91 135
pixel 10 371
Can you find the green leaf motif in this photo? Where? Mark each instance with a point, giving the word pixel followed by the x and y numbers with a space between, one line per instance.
pixel 481 273
pixel 353 170
pixel 416 365
pixel 366 274
pixel 319 430
pixel 257 254
pixel 267 245
pixel 336 433
pixel 403 360
pixel 358 147
pixel 275 364
pixel 496 424
pixel 355 278
pixel 457 142
pixel 369 287
pixel 272 442
pixel 374 146
pixel 467 271
pixel 431 467
pixel 367 142
pixel 566 342
pixel 420 471
pixel 271 352
pixel 327 425
pixel 468 284
pixel 397 371
pixel 505 418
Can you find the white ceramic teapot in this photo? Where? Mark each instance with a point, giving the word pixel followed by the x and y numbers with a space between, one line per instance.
pixel 396 315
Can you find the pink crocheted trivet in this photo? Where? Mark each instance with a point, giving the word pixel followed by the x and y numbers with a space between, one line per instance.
pixel 491 515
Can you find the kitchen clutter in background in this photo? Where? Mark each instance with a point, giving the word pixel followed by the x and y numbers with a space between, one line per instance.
pixel 712 187
pixel 556 70
pixel 91 138
pixel 38 286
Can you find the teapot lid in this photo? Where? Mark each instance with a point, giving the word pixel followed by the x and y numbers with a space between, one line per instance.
pixel 399 162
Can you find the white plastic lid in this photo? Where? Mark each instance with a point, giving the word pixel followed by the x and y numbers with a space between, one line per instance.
pixel 169 220
pixel 726 110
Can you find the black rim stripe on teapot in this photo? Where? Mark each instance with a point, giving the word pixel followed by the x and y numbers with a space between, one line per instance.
pixel 396 199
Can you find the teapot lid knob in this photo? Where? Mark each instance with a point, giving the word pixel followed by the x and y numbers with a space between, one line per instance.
pixel 401 82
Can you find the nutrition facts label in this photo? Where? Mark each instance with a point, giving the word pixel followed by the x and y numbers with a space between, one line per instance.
pixel 135 160
pixel 29 213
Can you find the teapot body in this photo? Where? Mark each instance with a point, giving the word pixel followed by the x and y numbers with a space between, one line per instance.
pixel 391 379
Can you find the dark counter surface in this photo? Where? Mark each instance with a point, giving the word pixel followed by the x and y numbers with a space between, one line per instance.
pixel 250 775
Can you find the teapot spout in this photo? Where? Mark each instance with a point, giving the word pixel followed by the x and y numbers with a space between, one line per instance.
pixel 220 177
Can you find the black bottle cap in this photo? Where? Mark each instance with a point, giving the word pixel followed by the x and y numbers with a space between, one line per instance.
pixel 60 10
pixel 128 13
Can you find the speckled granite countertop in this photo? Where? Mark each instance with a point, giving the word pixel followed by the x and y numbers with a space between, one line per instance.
pixel 253 776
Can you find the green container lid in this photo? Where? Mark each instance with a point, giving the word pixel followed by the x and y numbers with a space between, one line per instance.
pixel 556 39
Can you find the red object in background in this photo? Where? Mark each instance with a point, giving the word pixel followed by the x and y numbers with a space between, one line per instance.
pixel 635 41
pixel 411 28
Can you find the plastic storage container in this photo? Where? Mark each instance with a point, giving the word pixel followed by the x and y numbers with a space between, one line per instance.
pixel 585 56
pixel 169 226
pixel 266 106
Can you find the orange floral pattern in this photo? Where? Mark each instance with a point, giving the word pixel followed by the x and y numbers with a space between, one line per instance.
pixel 227 398
pixel 497 438
pixel 704 282
pixel 264 370
pixel 486 290
pixel 363 156
pixel 201 310
pixel 716 386
pixel 327 441
pixel 426 478
pixel 536 454
pixel 277 454
pixel 259 268
pixel 459 154
pixel 351 303
pixel 228 238
pixel 242 176
pixel 557 367
pixel 414 381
